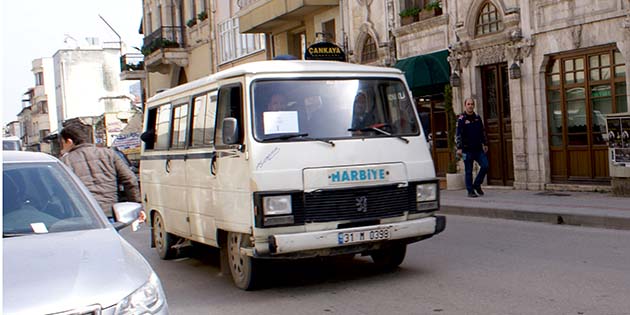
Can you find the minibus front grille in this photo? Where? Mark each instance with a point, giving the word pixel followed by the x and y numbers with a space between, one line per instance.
pixel 356 203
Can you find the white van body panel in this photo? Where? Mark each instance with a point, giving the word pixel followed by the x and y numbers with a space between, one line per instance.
pixel 200 191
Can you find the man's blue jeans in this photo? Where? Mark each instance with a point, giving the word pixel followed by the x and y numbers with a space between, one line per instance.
pixel 469 159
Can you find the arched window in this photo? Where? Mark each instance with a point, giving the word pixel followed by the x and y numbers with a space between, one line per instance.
pixel 489 20
pixel 369 53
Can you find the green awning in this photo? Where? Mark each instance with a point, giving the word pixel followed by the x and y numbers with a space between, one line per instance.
pixel 426 74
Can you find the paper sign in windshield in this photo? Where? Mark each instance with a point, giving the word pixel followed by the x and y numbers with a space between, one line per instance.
pixel 280 122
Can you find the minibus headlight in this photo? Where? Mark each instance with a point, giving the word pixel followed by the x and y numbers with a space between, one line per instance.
pixel 274 205
pixel 426 192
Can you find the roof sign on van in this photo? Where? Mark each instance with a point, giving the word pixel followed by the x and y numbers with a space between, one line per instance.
pixel 324 51
pixel 343 176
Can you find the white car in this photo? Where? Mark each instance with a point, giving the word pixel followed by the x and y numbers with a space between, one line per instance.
pixel 60 253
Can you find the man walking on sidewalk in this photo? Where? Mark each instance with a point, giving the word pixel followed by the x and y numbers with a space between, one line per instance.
pixel 471 142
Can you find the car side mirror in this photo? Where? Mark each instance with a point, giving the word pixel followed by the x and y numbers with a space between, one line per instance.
pixel 230 130
pixel 125 213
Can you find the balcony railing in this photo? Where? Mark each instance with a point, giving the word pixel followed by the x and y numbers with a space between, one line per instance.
pixel 132 62
pixel 164 37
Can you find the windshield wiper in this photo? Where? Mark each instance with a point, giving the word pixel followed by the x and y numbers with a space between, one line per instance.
pixel 303 136
pixel 7 235
pixel 381 131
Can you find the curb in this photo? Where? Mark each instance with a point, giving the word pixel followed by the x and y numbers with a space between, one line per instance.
pixel 607 222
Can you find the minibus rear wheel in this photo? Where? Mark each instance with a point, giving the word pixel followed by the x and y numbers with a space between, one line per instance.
pixel 164 241
pixel 242 267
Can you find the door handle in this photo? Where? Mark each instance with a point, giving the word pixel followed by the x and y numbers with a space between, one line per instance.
pixel 167 165
pixel 213 165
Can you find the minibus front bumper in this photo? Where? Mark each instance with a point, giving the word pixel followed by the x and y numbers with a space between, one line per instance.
pixel 413 230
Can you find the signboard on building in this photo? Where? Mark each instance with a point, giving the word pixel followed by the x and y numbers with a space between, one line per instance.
pixel 128 143
pixel 324 51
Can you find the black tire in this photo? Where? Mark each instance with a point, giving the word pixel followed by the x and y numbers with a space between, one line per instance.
pixel 242 267
pixel 164 241
pixel 389 257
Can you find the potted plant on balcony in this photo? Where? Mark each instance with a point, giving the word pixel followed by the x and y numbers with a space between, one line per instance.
pixel 191 22
pixel 434 6
pixel 409 15
pixel 202 15
pixel 454 180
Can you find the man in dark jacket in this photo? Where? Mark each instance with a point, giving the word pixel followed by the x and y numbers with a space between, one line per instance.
pixel 472 146
pixel 100 169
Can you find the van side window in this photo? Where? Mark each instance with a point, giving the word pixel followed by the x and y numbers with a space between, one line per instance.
pixel 203 111
pixel 229 105
pixel 162 127
pixel 180 123
pixel 148 137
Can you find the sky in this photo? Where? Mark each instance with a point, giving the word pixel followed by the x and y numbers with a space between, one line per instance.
pixel 32 29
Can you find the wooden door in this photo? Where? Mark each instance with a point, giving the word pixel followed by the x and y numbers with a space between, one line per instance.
pixel 435 124
pixel 498 124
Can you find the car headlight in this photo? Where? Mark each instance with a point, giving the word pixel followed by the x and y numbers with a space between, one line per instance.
pixel 274 205
pixel 148 299
pixel 426 192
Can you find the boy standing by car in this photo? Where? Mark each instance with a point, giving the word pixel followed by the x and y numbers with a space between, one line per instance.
pixel 100 169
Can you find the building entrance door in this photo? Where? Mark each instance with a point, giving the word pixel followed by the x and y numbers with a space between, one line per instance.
pixel 498 124
pixel 435 124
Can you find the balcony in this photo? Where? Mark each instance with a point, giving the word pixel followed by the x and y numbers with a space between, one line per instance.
pixel 132 67
pixel 164 47
pixel 263 16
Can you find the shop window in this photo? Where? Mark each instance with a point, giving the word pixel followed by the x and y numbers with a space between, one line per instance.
pixel 488 20
pixel 582 88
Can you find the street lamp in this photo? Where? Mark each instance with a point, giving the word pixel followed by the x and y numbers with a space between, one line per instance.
pixel 515 71
pixel 455 80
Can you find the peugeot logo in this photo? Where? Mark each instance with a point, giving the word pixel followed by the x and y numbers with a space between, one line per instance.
pixel 361 204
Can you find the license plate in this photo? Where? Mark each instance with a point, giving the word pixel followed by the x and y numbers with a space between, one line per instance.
pixel 363 236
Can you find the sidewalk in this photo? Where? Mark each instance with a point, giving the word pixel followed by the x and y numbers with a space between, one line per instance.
pixel 592 209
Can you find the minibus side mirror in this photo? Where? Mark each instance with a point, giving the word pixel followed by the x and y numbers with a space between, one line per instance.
pixel 230 130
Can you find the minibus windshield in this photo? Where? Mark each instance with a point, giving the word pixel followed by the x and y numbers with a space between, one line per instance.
pixel 332 109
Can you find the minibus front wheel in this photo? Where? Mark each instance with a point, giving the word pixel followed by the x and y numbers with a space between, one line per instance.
pixel 389 257
pixel 244 269
pixel 164 241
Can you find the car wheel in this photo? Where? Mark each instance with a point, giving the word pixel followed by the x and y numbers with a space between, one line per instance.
pixel 164 241
pixel 390 257
pixel 242 267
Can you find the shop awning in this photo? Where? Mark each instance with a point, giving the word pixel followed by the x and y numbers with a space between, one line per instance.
pixel 426 74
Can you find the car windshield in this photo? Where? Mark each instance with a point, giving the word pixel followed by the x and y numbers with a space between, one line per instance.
pixel 332 109
pixel 43 198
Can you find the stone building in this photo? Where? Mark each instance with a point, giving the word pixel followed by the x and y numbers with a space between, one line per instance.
pixel 544 73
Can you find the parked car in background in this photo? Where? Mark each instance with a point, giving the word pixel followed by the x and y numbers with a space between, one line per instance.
pixel 60 253
pixel 11 143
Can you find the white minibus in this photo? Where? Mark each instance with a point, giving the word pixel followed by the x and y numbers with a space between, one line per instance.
pixel 289 159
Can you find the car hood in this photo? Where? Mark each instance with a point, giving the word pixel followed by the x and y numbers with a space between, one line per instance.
pixel 49 273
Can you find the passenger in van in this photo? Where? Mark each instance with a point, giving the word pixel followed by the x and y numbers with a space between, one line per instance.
pixel 277 102
pixel 363 116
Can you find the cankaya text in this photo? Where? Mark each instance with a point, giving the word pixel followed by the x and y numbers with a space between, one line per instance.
pixel 324 50
pixel 357 175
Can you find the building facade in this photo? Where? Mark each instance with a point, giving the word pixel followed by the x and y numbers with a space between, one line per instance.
pixel 186 40
pixel 88 84
pixel 544 73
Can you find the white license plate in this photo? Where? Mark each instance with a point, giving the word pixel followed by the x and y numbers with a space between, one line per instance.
pixel 363 236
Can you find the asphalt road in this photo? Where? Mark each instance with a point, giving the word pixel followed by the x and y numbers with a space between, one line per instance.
pixel 477 266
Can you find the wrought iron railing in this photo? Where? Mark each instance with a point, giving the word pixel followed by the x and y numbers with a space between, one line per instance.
pixel 164 37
